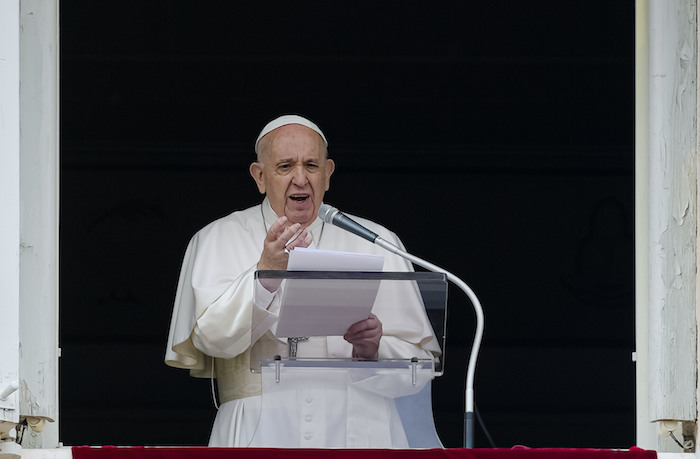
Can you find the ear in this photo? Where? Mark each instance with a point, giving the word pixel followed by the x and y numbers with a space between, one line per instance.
pixel 256 171
pixel 330 168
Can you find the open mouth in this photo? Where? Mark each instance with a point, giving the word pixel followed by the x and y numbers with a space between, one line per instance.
pixel 299 197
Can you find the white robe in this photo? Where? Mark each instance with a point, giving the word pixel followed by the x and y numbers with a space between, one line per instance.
pixel 216 320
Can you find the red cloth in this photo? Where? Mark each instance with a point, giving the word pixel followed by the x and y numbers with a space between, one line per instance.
pixel 107 452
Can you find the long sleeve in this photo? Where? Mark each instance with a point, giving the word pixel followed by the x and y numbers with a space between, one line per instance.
pixel 215 313
pixel 223 327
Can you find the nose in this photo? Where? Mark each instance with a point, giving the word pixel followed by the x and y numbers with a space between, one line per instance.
pixel 299 176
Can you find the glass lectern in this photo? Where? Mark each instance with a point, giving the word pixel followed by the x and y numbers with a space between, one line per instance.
pixel 322 401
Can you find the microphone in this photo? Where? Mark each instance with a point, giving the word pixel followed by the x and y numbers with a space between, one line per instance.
pixel 330 214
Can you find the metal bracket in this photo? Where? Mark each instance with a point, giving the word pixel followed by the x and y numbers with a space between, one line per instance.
pixel 7 401
pixel 278 363
pixel 414 369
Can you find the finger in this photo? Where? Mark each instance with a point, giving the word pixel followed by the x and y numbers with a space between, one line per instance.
pixel 363 339
pixel 290 235
pixel 371 322
pixel 365 329
pixel 280 231
pixel 276 229
pixel 273 255
pixel 304 239
pixel 286 234
pixel 295 235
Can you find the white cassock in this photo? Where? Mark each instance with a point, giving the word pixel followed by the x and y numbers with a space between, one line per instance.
pixel 216 318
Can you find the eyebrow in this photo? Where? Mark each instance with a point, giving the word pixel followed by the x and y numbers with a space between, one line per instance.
pixel 292 160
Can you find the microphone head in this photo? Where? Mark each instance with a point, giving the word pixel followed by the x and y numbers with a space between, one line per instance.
pixel 326 213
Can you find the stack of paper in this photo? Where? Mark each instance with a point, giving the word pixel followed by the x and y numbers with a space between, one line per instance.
pixel 326 307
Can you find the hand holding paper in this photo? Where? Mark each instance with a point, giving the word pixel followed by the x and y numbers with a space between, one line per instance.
pixel 328 307
pixel 364 337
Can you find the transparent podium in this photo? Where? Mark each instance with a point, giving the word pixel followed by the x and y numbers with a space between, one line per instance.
pixel 315 395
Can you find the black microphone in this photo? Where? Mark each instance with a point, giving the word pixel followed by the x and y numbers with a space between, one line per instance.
pixel 330 214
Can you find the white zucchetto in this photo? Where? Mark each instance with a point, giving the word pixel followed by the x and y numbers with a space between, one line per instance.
pixel 289 119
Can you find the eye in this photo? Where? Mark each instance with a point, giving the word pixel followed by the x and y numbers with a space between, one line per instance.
pixel 311 166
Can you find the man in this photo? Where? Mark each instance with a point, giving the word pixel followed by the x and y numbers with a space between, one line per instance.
pixel 223 318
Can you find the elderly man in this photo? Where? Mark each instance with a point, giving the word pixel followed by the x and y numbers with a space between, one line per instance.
pixel 223 316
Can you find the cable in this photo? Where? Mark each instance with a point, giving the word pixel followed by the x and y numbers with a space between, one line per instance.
pixel 483 426
pixel 676 440
pixel 213 389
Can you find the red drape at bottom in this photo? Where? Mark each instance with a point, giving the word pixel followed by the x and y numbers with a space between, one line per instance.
pixel 110 452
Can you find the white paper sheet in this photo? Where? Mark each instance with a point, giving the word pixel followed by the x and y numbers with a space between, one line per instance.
pixel 315 307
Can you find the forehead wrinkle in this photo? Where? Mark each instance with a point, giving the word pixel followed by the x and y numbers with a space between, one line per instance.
pixel 268 141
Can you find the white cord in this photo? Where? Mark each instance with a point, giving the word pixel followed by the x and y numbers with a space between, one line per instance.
pixel 213 390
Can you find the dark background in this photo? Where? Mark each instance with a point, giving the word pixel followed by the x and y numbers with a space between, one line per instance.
pixel 496 138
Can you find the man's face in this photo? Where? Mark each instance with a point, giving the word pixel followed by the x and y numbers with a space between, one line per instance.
pixel 295 173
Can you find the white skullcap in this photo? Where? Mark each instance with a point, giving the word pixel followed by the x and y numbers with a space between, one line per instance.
pixel 285 120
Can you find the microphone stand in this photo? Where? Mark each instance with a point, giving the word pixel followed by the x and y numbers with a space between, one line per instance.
pixel 471 368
